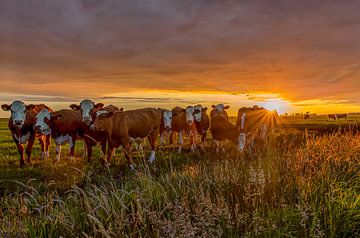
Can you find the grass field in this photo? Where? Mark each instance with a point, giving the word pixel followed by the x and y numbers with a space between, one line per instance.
pixel 305 183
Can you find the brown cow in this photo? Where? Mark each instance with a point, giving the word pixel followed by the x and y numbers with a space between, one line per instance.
pixel 183 122
pixel 332 116
pixel 202 122
pixel 21 125
pixel 339 116
pixel 221 129
pixel 121 127
pixel 255 120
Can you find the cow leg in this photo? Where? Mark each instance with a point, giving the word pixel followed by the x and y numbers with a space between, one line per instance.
pixel 217 145
pixel 192 141
pixel 181 141
pixel 203 138
pixel 47 146
pixel 86 149
pixel 103 148
pixel 152 140
pixel 58 152
pixel 127 147
pixel 29 148
pixel 20 148
pixel 42 146
pixel 72 148
pixel 242 142
pixel 110 153
pixel 161 139
pixel 89 152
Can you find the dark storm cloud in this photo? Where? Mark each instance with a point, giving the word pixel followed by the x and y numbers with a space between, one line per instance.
pixel 299 49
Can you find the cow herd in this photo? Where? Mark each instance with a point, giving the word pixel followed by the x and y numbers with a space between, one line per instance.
pixel 112 127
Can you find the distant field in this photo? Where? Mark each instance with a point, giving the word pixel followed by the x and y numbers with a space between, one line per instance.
pixel 299 185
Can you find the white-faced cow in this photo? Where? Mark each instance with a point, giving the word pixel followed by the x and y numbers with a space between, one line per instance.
pixel 202 122
pixel 165 128
pixel 219 109
pixel 21 125
pixel 89 111
pixel 255 122
pixel 121 127
pixel 87 108
pixel 183 124
pixel 64 126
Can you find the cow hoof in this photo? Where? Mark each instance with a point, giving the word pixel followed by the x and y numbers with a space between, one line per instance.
pixel 72 159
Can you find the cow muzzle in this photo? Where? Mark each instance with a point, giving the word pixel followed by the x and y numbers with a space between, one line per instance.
pixel 189 122
pixel 168 128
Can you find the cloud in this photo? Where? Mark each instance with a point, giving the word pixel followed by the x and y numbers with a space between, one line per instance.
pixel 71 48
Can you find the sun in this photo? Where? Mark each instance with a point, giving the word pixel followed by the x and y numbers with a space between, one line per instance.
pixel 276 104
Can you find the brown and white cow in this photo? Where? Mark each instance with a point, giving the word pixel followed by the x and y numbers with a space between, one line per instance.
pixel 183 124
pixel 202 122
pixel 219 109
pixel 121 127
pixel 89 112
pixel 255 121
pixel 21 125
pixel 87 108
pixel 64 126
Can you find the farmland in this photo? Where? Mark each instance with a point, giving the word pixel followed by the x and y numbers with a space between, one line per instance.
pixel 304 183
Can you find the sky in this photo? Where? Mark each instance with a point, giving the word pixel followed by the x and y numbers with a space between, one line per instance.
pixel 286 55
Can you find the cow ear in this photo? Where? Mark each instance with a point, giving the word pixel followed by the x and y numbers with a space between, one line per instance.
pixel 6 107
pixel 121 109
pixel 227 107
pixel 30 107
pixel 99 105
pixel 110 114
pixel 204 109
pixel 75 107
pixel 213 106
pixel 183 110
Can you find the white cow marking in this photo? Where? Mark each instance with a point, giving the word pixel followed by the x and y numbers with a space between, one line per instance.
pixel 18 113
pixel 152 156
pixel 167 118
pixel 243 120
pixel 198 112
pixel 22 139
pixel 242 141
pixel 40 122
pixel 62 140
pixel 189 115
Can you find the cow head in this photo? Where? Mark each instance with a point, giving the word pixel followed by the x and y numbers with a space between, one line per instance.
pixel 43 121
pixel 220 107
pixel 219 110
pixel 101 122
pixel 87 108
pixel 189 114
pixel 18 112
pixel 167 118
pixel 198 111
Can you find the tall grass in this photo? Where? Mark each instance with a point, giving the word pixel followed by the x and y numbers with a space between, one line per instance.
pixel 298 186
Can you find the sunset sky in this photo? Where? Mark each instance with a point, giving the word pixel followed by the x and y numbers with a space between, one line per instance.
pixel 285 55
